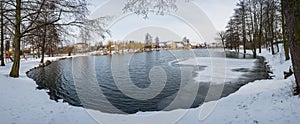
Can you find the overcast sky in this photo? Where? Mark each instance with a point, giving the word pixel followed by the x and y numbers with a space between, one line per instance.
pixel 198 20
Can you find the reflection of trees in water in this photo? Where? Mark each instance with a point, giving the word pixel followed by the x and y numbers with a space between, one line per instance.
pixel 49 78
pixel 44 83
pixel 52 85
pixel 58 79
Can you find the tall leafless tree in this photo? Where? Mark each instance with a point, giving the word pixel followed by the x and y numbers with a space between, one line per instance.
pixel 242 9
pixel 284 38
pixel 222 38
pixel 292 18
pixel 257 22
pixel 144 7
pixel 2 33
pixel 27 13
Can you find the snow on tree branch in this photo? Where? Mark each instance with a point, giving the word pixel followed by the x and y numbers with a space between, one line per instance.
pixel 143 7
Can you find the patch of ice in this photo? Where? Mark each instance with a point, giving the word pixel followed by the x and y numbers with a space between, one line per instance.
pixel 219 70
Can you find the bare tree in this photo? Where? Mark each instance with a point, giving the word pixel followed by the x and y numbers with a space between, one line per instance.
pixel 17 39
pixel 256 22
pixel 260 20
pixel 157 43
pixel 292 18
pixel 2 33
pixel 270 14
pixel 222 38
pixel 143 7
pixel 27 13
pixel 252 25
pixel 284 38
pixel 242 8
pixel 148 39
pixel 95 26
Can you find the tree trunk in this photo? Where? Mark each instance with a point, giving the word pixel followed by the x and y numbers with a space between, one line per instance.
pixel 253 28
pixel 2 35
pixel 260 38
pixel 260 28
pixel 272 44
pixel 7 45
pixel 244 29
pixel 43 49
pixel 49 52
pixel 17 40
pixel 285 42
pixel 271 31
pixel 44 41
pixel 292 17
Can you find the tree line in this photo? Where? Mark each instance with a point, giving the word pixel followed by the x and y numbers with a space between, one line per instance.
pixel 258 24
pixel 254 24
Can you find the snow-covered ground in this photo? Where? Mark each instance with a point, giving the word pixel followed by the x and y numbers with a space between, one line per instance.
pixel 264 101
pixel 21 103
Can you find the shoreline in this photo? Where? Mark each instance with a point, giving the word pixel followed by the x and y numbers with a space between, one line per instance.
pixel 231 85
pixel 22 103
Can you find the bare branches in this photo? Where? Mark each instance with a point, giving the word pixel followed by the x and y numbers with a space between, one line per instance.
pixel 94 27
pixel 255 22
pixel 143 7
pixel 36 16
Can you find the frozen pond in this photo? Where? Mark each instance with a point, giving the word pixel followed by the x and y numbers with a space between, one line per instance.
pixel 148 81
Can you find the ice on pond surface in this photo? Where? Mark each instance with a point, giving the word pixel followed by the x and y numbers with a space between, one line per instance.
pixel 221 70
pixel 148 81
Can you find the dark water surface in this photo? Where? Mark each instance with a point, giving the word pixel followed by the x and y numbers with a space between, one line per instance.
pixel 148 81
